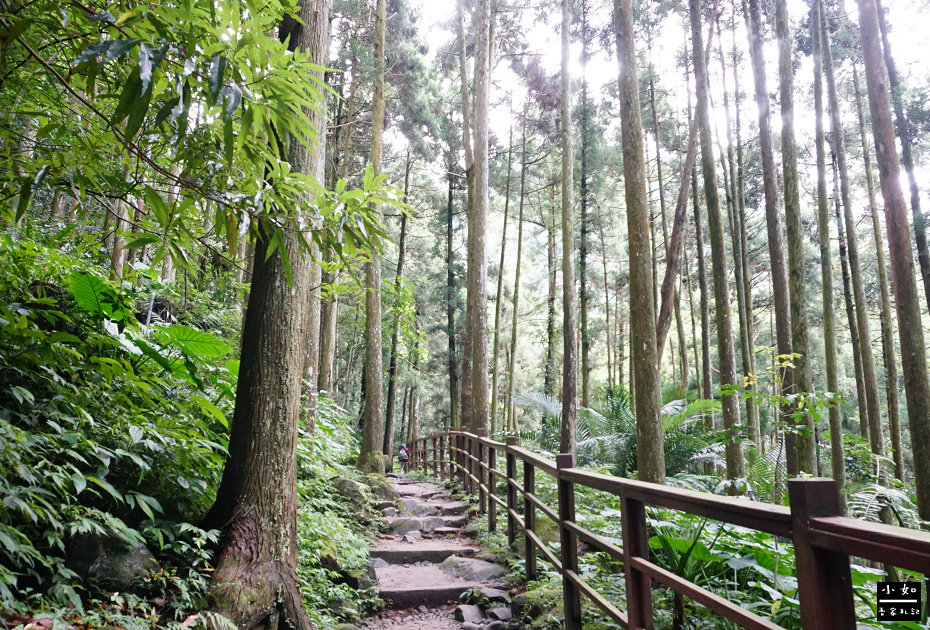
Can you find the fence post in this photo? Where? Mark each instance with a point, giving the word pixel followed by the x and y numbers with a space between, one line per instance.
pixel 529 519
pixel 636 545
pixel 570 591
pixel 824 580
pixel 492 489
pixel 511 493
pixel 482 478
pixel 442 456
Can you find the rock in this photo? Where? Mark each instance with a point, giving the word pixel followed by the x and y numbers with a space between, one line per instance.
pixel 423 608
pixel 414 507
pixel 110 560
pixel 345 626
pixel 495 625
pixel 389 511
pixel 362 578
pixel 471 569
pixel 533 603
pixel 412 537
pixel 501 613
pixel 342 606
pixel 379 563
pixel 471 626
pixel 381 505
pixel 406 524
pixel 354 493
pixel 380 487
pixel 432 522
pixel 489 594
pixel 468 613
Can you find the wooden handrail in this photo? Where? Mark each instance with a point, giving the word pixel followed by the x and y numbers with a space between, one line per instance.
pixel 823 539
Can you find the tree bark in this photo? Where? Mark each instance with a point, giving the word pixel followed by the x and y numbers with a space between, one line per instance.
pixel 478 281
pixel 450 315
pixel 800 339
pixel 729 387
pixel 889 355
pixel 511 371
pixel 910 330
pixel 568 439
pixel 706 384
pixel 870 381
pixel 645 375
pixel 465 408
pixel 255 582
pixel 585 219
pixel 549 376
pixel 838 459
pixel 776 238
pixel 500 290
pixel 371 457
pixel 906 134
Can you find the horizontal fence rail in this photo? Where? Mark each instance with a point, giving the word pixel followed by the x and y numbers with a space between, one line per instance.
pixel 823 539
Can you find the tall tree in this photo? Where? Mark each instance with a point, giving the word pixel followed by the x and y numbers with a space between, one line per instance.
pixel 585 218
pixel 910 330
pixel 255 582
pixel 568 439
pixel 870 381
pixel 773 223
pixel 645 375
pixel 806 447
pixel 728 395
pixel 511 419
pixel 371 457
pixel 498 303
pixel 465 408
pixel 888 352
pixel 454 421
pixel 478 281
pixel 838 461
pixel 905 132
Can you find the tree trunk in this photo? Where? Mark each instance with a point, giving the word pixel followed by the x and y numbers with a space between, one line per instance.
pixel 906 134
pixel 450 315
pixel 500 290
pixel 706 385
pixel 910 330
pixel 729 387
pixel 850 311
pixel 776 238
pixel 585 219
pixel 511 371
pixel 838 459
pixel 465 408
pixel 873 406
pixel 549 377
pixel 607 323
pixel 478 281
pixel 889 355
pixel 371 457
pixel 800 342
pixel 645 375
pixel 255 582
pixel 568 439
pixel 388 447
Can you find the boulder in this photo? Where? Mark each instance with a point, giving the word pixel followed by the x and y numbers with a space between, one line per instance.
pixel 495 625
pixel 389 511
pixel 110 560
pixel 471 569
pixel 413 537
pixel 469 614
pixel 362 578
pixel 488 594
pixel 403 525
pixel 501 613
pixel 354 493
pixel 532 604
pixel 380 487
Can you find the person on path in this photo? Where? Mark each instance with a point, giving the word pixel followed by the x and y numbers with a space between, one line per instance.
pixel 403 456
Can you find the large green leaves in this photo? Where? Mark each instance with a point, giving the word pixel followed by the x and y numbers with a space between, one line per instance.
pixel 194 342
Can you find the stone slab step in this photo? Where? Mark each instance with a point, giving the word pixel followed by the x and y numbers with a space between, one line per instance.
pixel 411 586
pixel 398 552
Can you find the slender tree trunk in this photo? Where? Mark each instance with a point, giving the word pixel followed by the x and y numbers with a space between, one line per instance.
pixel 585 219
pixel 329 311
pixel 607 326
pixel 800 342
pixel 255 582
pixel 910 329
pixel 850 310
pixel 388 444
pixel 776 238
pixel 650 443
pixel 568 439
pixel 694 336
pixel 905 132
pixel 511 371
pixel 706 385
pixel 465 409
pixel 873 406
pixel 549 377
pixel 500 289
pixel 729 386
pixel 371 457
pixel 450 315
pixel 621 339
pixel 838 459
pixel 478 281
pixel 888 352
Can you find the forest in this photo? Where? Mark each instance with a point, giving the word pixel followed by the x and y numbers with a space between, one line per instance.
pixel 249 249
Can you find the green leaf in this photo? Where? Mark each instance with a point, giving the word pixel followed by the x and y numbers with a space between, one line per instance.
pixel 211 410
pixel 195 342
pixel 90 292
pixel 120 47
pixel 157 205
pixel 129 98
pixel 22 394
pixel 80 482
pixel 17 29
pixel 106 485
pixel 25 194
pixel 165 111
pixel 93 51
pixel 63 337
pixel 141 240
pixel 217 73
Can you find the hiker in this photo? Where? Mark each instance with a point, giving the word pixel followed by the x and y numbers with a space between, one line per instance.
pixel 403 456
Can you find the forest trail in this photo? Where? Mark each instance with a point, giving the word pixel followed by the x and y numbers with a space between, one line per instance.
pixel 425 565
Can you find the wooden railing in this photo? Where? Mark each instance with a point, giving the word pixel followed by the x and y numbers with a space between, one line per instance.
pixel 823 539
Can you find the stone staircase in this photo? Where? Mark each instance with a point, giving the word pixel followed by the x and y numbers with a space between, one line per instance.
pixel 426 563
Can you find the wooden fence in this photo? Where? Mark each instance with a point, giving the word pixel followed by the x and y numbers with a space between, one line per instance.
pixel 823 539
